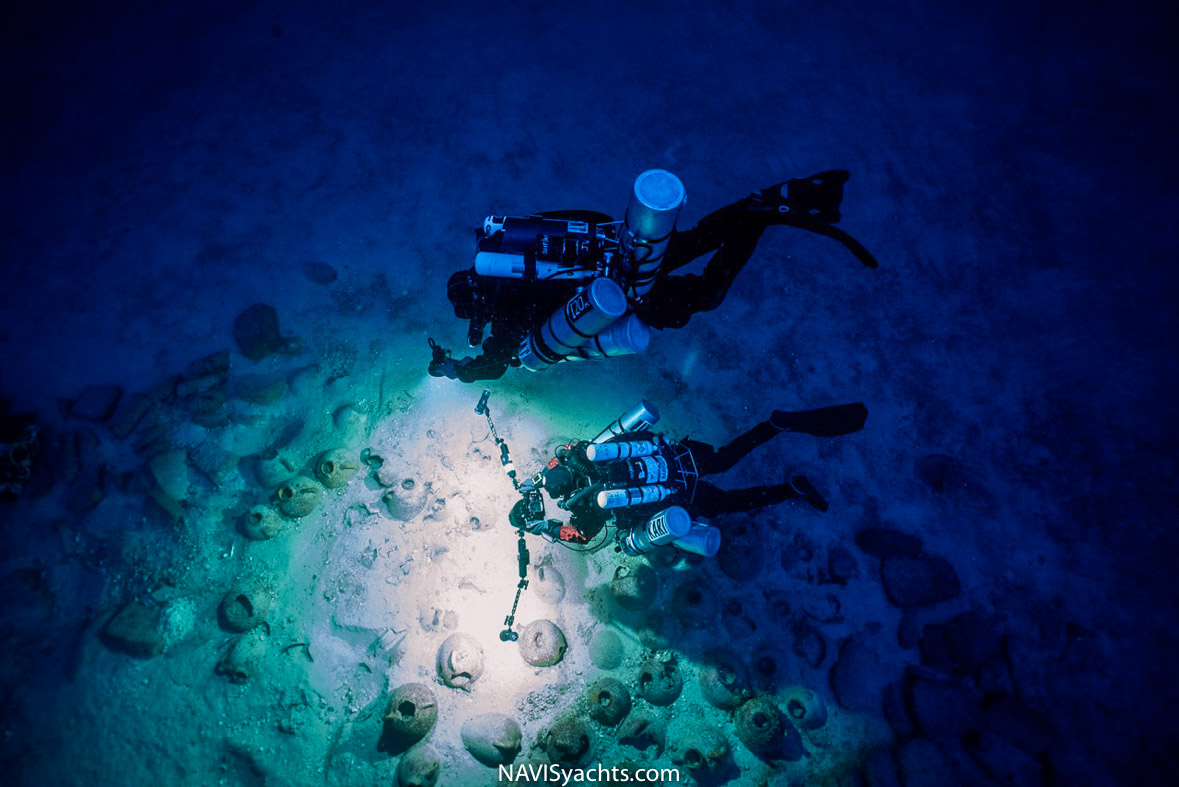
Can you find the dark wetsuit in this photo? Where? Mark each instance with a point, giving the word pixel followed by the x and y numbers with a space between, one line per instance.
pixel 679 466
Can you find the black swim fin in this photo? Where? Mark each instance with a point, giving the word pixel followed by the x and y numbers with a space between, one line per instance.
pixel 813 200
pixel 825 422
pixel 810 204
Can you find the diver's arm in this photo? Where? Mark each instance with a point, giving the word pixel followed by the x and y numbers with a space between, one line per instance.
pixel 491 364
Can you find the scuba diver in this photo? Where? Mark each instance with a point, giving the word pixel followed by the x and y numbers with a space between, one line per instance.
pixel 577 285
pixel 640 481
pixel 647 489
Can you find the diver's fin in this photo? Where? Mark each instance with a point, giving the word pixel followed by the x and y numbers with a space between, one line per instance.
pixel 825 422
pixel 850 243
pixel 814 199
pixel 810 204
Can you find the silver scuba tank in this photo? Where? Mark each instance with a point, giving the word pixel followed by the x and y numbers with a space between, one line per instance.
pixel 629 335
pixel 632 496
pixel 655 203
pixel 663 528
pixel 701 539
pixel 502 265
pixel 642 416
pixel 643 471
pixel 587 313
pixel 608 452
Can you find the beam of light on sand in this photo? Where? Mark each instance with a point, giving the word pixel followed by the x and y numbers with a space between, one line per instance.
pixel 463 558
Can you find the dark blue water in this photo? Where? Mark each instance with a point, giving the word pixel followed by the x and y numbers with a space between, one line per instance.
pixel 1013 169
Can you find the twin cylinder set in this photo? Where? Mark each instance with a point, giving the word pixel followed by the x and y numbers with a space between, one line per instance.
pixel 641 460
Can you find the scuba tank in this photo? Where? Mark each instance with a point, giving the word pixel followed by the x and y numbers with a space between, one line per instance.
pixel 633 496
pixel 637 472
pixel 628 336
pixel 701 539
pixel 537 248
pixel 608 452
pixel 640 417
pixel 655 203
pixel 665 527
pixel 590 311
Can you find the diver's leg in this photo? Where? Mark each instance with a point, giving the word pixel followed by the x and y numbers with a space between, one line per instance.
pixel 831 421
pixel 704 456
pixel 711 501
pixel 811 200
pixel 674 299
pixel 739 447
pixel 709 234
pixel 733 232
